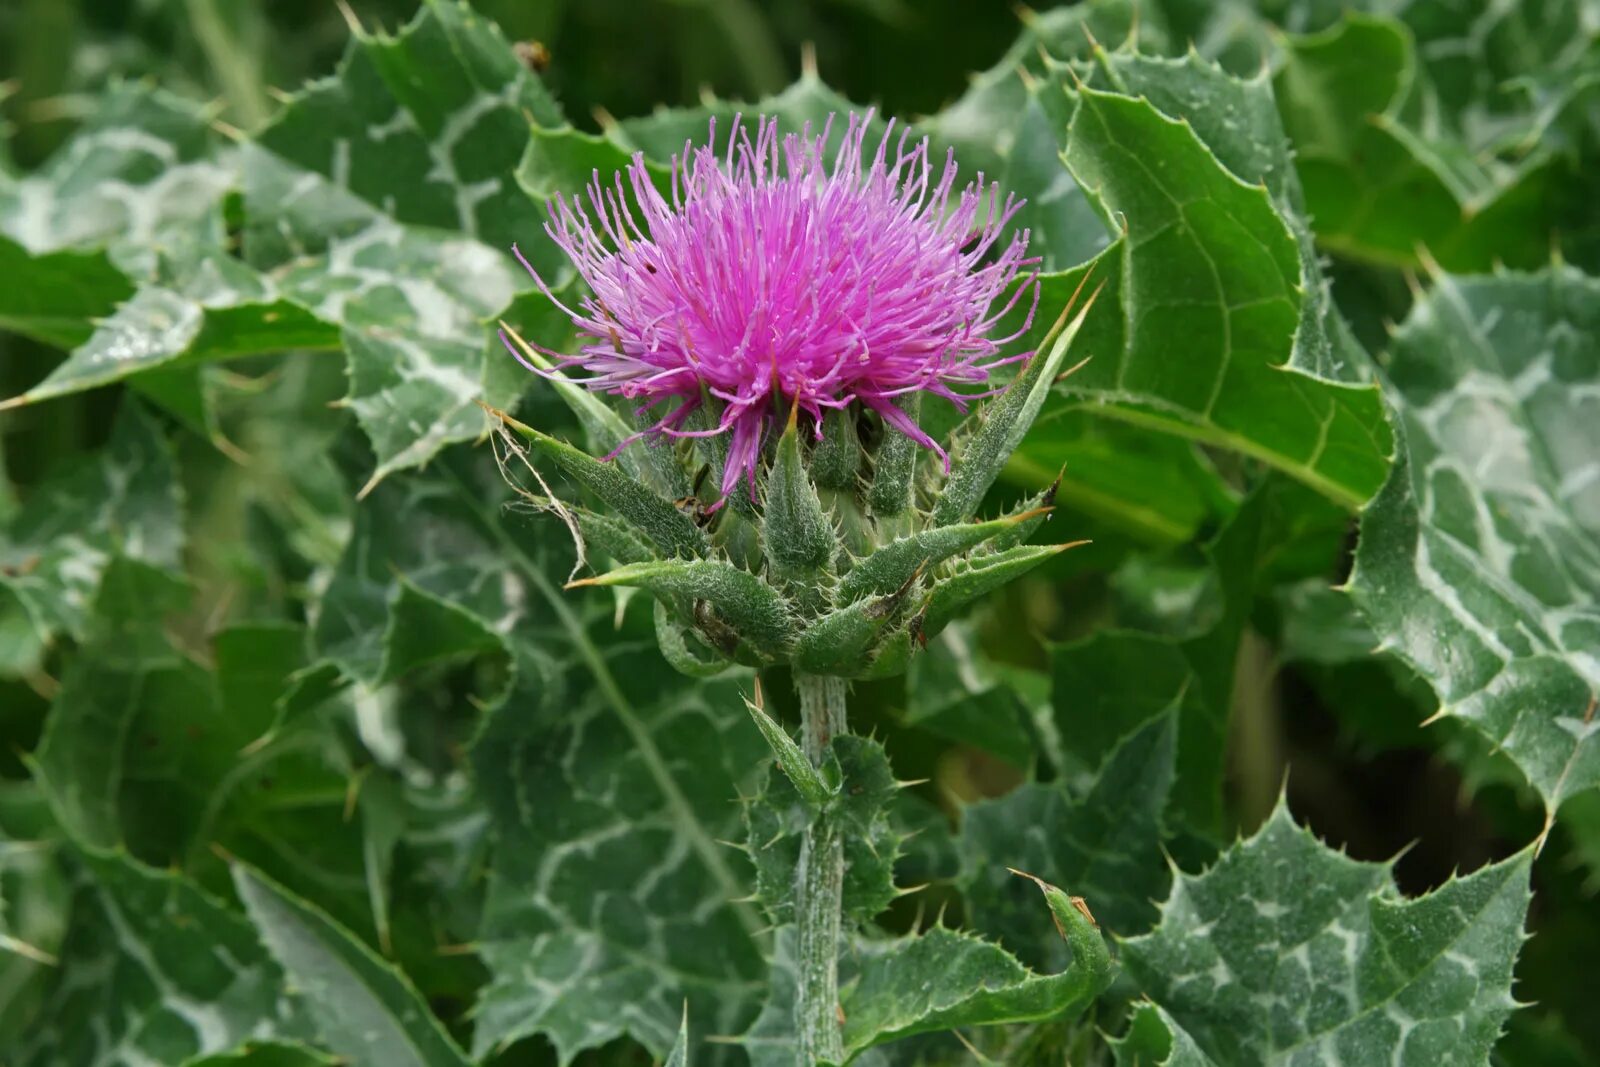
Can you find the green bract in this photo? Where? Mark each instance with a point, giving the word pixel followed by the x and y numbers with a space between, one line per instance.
pixel 850 556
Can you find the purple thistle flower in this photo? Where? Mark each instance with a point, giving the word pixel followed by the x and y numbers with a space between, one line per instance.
pixel 772 280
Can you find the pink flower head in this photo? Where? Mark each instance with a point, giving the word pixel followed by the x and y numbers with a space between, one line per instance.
pixel 773 280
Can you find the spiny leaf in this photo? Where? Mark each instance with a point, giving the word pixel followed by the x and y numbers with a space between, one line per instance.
pixel 684 649
pixel 192 978
pixel 679 1056
pixel 1207 258
pixel 955 690
pixel 364 1008
pixel 35 903
pixel 1159 489
pixel 268 1054
pixel 1107 684
pixel 148 750
pixel 424 591
pixel 123 503
pixel 605 427
pixel 945 980
pixel 58 295
pixel 661 134
pixel 858 789
pixel 1104 842
pixel 1153 1039
pixel 1465 170
pixel 892 657
pixel 802 775
pixel 626 890
pixel 1478 562
pixel 433 118
pixel 939 980
pixel 1286 951
pixel 81 759
pixel 578 870
pixel 605 781
pixel 166 329
pixel 611 536
pixel 1237 120
pixel 1000 125
pixel 364 204
pixel 108 194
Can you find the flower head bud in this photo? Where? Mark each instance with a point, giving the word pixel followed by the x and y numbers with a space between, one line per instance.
pixel 782 292
pixel 776 277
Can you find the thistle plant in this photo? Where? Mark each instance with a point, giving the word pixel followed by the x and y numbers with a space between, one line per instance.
pixel 757 350
pixel 313 757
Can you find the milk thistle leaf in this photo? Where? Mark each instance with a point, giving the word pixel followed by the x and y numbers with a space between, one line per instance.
pixel 1349 968
pixel 363 202
pixel 1105 843
pixel 126 502
pixel 1153 1039
pixel 939 980
pixel 1209 258
pixel 1478 563
pixel 684 649
pixel 805 778
pixel 1111 682
pixel 364 1008
pixel 142 924
pixel 621 777
pixel 679 1057
pixel 856 788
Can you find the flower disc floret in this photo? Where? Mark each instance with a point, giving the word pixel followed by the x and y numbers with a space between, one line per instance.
pixel 773 279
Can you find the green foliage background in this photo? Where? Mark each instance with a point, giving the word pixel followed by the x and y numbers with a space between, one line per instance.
pixel 308 755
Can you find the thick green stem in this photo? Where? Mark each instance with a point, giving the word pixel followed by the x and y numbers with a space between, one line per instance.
pixel 819 888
